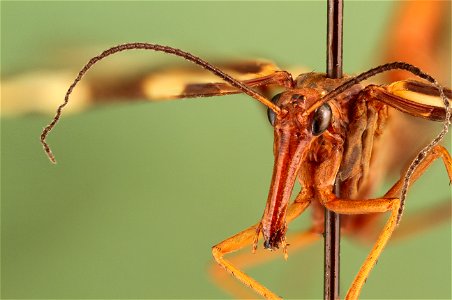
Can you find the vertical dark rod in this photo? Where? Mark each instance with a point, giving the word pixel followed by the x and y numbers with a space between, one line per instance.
pixel 332 225
pixel 334 39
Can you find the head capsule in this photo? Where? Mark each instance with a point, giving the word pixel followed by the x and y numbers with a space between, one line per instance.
pixel 294 104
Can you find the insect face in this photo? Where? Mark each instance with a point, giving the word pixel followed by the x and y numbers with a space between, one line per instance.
pixel 294 133
pixel 294 104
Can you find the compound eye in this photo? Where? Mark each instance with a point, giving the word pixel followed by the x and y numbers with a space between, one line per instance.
pixel 321 119
pixel 270 113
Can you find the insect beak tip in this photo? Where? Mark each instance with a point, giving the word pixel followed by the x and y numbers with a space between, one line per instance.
pixel 271 245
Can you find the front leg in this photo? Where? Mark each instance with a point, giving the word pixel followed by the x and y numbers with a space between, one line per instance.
pixel 248 237
pixel 347 206
pixel 389 202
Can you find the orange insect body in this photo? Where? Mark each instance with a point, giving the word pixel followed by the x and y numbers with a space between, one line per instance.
pixel 336 144
pixel 326 132
pixel 314 159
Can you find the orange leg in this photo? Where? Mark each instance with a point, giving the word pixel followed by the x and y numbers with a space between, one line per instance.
pixel 247 259
pixel 343 206
pixel 424 220
pixel 414 224
pixel 347 206
pixel 247 237
pixel 437 152
pixel 387 203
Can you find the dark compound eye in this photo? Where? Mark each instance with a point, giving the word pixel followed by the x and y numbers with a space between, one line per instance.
pixel 321 119
pixel 270 113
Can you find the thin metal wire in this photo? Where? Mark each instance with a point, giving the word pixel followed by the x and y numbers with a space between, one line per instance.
pixel 332 220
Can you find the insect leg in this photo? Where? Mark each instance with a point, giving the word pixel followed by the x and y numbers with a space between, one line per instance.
pixel 246 260
pixel 388 203
pixel 248 237
pixel 414 224
pixel 344 206
pixel 437 152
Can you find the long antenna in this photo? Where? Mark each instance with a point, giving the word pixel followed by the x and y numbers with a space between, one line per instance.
pixel 332 221
pixel 153 47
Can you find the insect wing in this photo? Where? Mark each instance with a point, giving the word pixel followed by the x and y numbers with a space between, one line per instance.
pixel 415 98
pixel 40 91
pixel 189 83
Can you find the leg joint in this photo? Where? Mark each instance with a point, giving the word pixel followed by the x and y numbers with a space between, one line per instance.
pixel 217 252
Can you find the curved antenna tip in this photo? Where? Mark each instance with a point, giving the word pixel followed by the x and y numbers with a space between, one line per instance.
pixel 48 151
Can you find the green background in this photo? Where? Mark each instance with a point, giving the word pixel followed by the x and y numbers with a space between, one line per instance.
pixel 141 192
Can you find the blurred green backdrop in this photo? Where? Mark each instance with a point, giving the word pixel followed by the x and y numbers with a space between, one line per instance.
pixel 142 192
